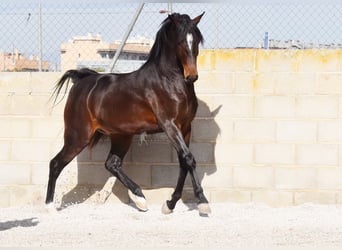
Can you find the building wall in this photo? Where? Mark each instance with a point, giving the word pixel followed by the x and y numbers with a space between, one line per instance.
pixel 81 49
pixel 268 129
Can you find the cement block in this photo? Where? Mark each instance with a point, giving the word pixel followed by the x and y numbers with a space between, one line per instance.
pixel 15 127
pixel 275 106
pixel 88 174
pixel 233 106
pixel 5 150
pixel 100 152
pixel 224 131
pixel 329 178
pixel 262 83
pixel 26 195
pixel 30 105
pixel 254 130
pixel 18 82
pixel 317 106
pixel 273 198
pixel 28 150
pixel 234 153
pixel 141 174
pixel 275 154
pixel 302 197
pixel 85 156
pixel 330 131
pixel 253 177
pixel 5 196
pixel 295 178
pixel 319 61
pixel 206 109
pixel 203 152
pixel 151 153
pixel 40 173
pixel 317 154
pixel 329 83
pixel 295 83
pixel 47 128
pixel 216 178
pixel 165 176
pixel 15 174
pixel 205 130
pixel 214 82
pixel 244 82
pixel 231 195
pixel 226 60
pixel 6 104
pixel 42 82
pixel 339 198
pixel 296 131
pixel 274 60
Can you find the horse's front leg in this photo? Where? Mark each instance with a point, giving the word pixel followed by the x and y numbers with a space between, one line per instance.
pixel 187 164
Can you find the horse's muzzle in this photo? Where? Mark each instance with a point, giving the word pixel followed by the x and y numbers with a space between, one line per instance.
pixel 191 78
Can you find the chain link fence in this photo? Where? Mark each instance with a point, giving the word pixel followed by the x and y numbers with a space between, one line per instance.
pixel 51 35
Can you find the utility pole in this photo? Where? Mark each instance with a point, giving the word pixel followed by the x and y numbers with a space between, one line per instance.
pixel 128 32
pixel 40 37
pixel 169 7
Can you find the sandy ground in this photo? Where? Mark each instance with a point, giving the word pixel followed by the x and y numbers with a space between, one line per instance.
pixel 120 225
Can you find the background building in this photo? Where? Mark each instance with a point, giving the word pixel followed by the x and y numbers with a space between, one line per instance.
pixel 16 61
pixel 92 52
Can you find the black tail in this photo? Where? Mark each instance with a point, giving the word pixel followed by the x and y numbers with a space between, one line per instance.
pixel 75 76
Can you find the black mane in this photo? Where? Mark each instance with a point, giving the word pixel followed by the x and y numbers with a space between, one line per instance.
pixel 162 41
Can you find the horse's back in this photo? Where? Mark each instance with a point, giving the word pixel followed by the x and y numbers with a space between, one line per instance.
pixel 118 104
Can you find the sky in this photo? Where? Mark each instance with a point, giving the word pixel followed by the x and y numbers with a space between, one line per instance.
pixel 226 24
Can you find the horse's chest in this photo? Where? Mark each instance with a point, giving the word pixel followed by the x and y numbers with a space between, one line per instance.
pixel 187 108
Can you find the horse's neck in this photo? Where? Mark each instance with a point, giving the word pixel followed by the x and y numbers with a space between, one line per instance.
pixel 168 62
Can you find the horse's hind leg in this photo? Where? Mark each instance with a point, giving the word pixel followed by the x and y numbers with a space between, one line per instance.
pixel 73 145
pixel 119 148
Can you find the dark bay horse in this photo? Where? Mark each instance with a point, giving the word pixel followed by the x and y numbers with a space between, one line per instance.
pixel 158 97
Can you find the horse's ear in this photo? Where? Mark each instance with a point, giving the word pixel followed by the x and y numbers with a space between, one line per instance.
pixel 197 19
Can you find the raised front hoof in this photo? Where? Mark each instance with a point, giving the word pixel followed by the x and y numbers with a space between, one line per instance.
pixel 140 202
pixel 203 209
pixel 166 209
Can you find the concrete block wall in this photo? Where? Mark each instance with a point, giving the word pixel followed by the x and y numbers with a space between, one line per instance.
pixel 268 129
pixel 281 120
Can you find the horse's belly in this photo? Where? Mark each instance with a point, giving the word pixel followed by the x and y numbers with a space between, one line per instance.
pixel 128 123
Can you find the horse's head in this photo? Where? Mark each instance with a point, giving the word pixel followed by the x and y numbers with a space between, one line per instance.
pixel 188 39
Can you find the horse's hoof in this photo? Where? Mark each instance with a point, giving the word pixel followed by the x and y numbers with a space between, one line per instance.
pixel 166 209
pixel 204 209
pixel 140 202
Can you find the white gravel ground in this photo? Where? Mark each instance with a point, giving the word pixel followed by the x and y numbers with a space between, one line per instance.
pixel 120 225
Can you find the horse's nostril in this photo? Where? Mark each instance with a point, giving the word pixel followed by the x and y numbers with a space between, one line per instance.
pixel 191 78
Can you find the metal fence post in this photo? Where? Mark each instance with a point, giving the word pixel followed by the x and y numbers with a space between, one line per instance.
pixel 40 37
pixel 122 44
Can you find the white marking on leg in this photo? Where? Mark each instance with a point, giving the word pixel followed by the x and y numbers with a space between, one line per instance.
pixel 140 202
pixel 204 208
pixel 166 209
pixel 189 40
